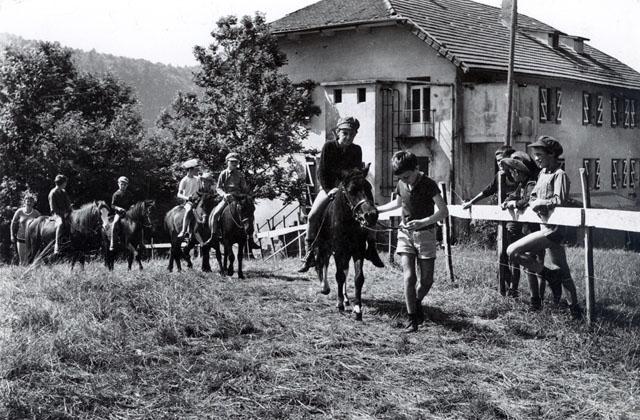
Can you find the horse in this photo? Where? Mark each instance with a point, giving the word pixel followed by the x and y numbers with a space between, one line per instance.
pixel 173 224
pixel 343 234
pixel 128 234
pixel 83 233
pixel 235 221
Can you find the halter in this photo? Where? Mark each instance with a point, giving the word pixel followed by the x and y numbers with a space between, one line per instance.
pixel 240 224
pixel 354 207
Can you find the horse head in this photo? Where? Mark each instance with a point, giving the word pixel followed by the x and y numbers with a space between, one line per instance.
pixel 204 206
pixel 359 196
pixel 242 208
pixel 140 212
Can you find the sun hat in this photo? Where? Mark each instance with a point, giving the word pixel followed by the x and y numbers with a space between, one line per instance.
pixel 515 164
pixel 191 163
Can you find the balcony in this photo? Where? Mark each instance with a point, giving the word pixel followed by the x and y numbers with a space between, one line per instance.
pixel 415 123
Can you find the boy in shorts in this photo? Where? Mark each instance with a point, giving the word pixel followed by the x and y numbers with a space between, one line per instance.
pixel 418 195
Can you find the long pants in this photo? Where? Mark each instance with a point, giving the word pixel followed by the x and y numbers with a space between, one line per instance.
pixel 313 218
pixel 187 212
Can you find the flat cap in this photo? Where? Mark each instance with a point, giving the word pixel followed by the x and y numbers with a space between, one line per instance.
pixel 549 144
pixel 191 163
pixel 348 122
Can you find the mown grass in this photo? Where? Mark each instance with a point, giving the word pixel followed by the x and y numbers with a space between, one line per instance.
pixel 151 344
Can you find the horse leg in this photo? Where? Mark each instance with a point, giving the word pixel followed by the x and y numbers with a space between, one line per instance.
pixel 240 256
pixel 185 253
pixel 322 269
pixel 170 267
pixel 219 257
pixel 232 259
pixel 342 269
pixel 177 254
pixel 359 282
pixel 206 266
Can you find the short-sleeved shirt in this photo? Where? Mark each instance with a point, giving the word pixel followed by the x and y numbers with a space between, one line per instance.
pixel 552 186
pixel 417 199
pixel 334 160
pixel 121 199
pixel 59 202
pixel 232 182
pixel 189 185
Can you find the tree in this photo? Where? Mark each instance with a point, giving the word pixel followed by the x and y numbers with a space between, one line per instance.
pixel 247 105
pixel 54 119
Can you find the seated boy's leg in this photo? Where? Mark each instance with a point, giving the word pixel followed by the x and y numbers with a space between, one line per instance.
pixel 185 218
pixel 215 220
pixel 313 221
pixel 116 218
pixel 58 225
pixel 520 251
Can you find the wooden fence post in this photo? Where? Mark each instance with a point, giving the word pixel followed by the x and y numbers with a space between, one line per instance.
pixel 446 234
pixel 588 251
pixel 260 241
pixel 504 275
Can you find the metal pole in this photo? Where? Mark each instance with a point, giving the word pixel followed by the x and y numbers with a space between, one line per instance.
pixel 588 252
pixel 512 50
pixel 504 274
pixel 446 234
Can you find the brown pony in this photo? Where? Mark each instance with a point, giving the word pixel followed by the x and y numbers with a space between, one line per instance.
pixel 128 234
pixel 81 236
pixel 343 234
pixel 173 224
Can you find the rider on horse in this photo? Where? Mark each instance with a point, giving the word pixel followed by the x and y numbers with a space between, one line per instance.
pixel 188 193
pixel 337 157
pixel 121 200
pixel 231 181
pixel 60 206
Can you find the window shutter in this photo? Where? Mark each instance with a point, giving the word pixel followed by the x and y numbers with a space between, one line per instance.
pixel 614 174
pixel 596 184
pixel 558 105
pixel 586 99
pixel 625 173
pixel 614 111
pixel 544 104
pixel 599 109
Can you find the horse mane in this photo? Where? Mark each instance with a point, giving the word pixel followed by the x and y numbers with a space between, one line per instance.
pixel 83 216
pixel 136 211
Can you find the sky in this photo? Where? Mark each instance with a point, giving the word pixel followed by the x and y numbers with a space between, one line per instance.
pixel 165 31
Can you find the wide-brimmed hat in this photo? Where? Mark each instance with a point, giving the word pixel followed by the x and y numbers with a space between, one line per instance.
pixel 191 163
pixel 549 144
pixel 123 179
pixel 232 156
pixel 348 122
pixel 514 164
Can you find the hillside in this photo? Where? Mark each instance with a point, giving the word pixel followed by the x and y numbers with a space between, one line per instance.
pixel 155 84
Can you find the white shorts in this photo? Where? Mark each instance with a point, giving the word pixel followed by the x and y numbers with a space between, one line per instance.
pixel 421 243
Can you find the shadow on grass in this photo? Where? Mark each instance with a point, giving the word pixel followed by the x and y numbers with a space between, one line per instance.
pixel 618 318
pixel 396 309
pixel 279 276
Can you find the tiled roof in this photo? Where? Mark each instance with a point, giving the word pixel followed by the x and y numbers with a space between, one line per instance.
pixel 471 36
pixel 332 13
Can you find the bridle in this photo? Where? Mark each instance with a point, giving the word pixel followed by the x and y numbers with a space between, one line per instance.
pixel 358 216
pixel 236 204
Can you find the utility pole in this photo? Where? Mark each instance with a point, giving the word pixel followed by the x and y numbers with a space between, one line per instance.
pixel 512 49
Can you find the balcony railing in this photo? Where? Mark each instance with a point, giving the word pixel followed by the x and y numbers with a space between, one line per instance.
pixel 407 128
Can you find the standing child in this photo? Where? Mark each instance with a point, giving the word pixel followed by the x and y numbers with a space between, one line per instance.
pixel 60 207
pixel 19 222
pixel 187 192
pixel 551 190
pixel 418 195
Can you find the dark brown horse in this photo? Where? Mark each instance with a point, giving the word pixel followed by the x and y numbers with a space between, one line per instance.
pixel 235 223
pixel 173 223
pixel 128 234
pixel 81 236
pixel 343 234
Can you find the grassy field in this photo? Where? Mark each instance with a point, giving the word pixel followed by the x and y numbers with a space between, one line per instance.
pixel 151 345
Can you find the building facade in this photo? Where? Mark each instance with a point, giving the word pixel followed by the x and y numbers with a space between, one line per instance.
pixel 430 77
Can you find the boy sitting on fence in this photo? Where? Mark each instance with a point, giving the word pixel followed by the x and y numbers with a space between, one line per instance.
pixel 551 190
pixel 418 195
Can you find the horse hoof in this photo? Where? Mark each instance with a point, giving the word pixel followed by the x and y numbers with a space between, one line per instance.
pixel 340 308
pixel 325 291
pixel 358 316
pixel 347 303
pixel 241 276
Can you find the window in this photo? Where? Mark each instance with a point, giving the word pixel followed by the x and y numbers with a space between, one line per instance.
pixel 362 95
pixel 632 112
pixel 337 96
pixel 558 106
pixel 600 110
pixel 615 174
pixel 544 104
pixel 420 104
pixel 586 107
pixel 614 111
pixel 627 113
pixel 625 173
pixel 633 172
pixel 592 166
